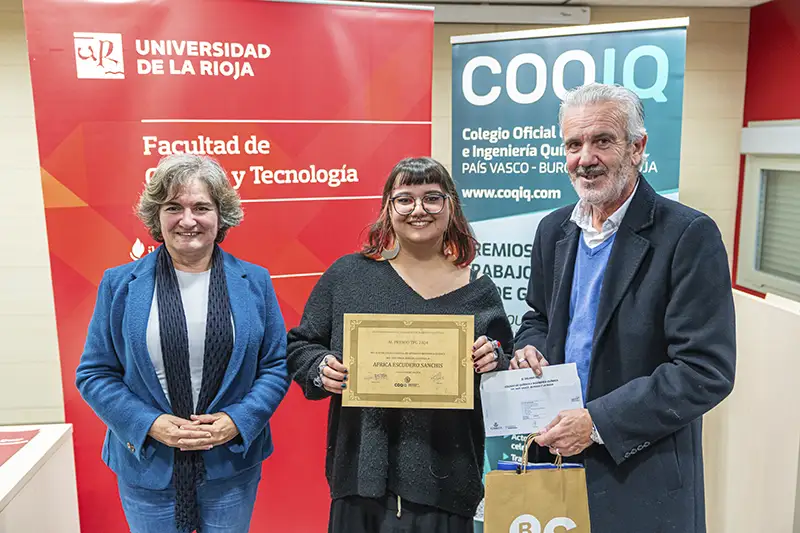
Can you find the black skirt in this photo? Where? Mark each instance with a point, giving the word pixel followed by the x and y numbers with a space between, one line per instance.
pixel 354 514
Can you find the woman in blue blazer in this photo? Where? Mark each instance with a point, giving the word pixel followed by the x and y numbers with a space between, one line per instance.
pixel 185 361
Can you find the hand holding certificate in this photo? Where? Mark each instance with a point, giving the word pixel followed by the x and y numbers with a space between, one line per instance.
pixel 516 401
pixel 409 361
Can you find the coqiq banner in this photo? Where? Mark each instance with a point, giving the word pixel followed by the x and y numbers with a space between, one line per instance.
pixel 307 105
pixel 508 156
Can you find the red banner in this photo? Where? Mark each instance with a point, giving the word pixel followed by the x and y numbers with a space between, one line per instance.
pixel 307 105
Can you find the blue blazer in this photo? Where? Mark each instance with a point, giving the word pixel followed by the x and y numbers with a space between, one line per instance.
pixel 117 379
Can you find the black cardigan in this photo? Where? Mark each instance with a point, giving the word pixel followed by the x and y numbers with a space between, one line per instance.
pixel 427 456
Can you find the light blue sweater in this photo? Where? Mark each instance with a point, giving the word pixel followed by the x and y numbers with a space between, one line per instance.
pixel 587 280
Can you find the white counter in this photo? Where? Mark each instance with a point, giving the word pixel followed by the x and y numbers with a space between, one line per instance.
pixel 38 491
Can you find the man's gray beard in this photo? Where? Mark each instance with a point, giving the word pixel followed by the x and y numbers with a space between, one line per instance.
pixel 602 196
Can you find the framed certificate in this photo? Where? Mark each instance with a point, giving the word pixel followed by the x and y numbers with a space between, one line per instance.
pixel 409 361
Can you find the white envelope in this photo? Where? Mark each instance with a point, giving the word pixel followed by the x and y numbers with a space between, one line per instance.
pixel 516 401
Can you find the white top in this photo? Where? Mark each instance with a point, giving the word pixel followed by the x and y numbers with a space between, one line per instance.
pixel 194 295
pixel 582 216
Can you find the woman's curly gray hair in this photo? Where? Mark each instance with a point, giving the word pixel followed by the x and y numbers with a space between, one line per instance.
pixel 172 174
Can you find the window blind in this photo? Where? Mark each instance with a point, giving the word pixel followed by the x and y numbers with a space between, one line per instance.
pixel 778 251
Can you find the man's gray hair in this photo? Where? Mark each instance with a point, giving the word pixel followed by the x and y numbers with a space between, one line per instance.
pixel 627 101
pixel 176 171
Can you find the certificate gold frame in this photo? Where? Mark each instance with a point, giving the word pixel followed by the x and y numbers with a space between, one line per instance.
pixel 409 361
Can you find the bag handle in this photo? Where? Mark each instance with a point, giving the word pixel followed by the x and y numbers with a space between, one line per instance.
pixel 528 442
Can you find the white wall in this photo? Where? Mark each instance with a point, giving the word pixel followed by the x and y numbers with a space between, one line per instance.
pixel 30 375
pixel 752 440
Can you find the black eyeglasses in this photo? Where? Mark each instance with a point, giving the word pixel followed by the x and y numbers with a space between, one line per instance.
pixel 432 203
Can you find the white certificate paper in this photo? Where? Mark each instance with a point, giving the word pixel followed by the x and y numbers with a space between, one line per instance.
pixel 516 401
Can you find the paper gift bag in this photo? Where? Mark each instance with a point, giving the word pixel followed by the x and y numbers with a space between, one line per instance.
pixel 537 499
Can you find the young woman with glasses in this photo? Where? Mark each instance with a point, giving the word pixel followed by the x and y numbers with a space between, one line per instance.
pixel 403 470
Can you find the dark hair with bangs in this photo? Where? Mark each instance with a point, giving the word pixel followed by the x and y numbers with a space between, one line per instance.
pixel 459 241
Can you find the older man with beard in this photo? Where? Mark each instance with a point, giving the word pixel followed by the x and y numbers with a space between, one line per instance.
pixel 635 290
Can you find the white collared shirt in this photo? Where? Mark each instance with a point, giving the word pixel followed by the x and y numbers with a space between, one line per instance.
pixel 582 216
